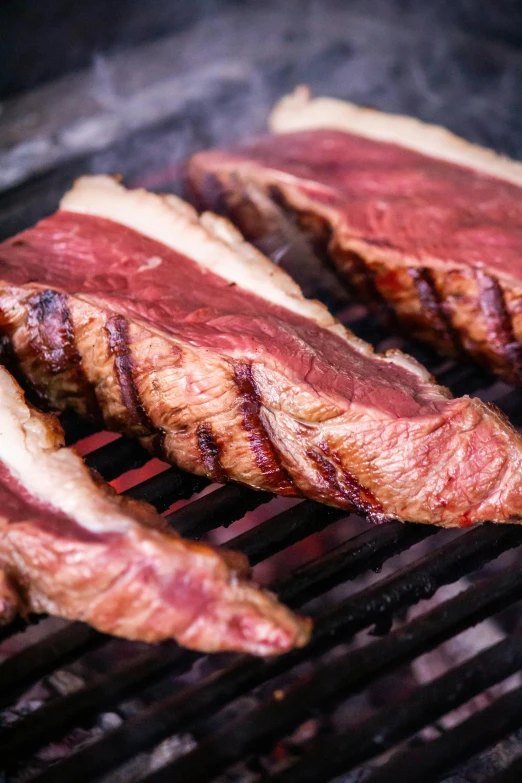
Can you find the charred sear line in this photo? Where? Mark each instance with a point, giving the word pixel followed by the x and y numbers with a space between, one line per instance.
pixel 346 486
pixel 499 328
pixel 265 454
pixel 433 308
pixel 52 333
pixel 52 341
pixel 209 450
pixel 117 331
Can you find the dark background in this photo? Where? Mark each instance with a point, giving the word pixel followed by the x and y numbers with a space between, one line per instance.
pixel 456 63
pixel 43 39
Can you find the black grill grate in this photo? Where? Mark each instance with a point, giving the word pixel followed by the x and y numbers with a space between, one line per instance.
pixel 190 707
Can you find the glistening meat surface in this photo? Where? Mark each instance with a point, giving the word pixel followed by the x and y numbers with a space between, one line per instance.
pixel 72 547
pixel 185 336
pixel 421 224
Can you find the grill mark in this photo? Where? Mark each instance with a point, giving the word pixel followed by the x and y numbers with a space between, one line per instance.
pixel 497 320
pixel 358 496
pixel 433 307
pixel 265 455
pixel 52 338
pixel 209 451
pixel 118 339
pixel 52 333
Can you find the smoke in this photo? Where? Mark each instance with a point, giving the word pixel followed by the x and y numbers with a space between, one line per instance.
pixel 213 83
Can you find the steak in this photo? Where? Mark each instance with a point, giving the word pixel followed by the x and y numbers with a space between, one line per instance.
pixel 418 223
pixel 188 338
pixel 70 546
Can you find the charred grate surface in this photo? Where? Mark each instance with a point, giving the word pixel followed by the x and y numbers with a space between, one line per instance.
pixel 182 691
pixel 239 710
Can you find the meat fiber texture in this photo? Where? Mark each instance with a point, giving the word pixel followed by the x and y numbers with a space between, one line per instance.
pixel 419 223
pixel 70 546
pixel 178 332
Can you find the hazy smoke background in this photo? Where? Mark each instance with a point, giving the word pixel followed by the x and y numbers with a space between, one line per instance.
pixel 135 86
pixel 139 84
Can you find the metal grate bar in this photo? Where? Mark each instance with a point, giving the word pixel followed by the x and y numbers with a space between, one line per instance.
pixel 20 671
pixel 285 529
pixel 422 578
pixel 18 625
pixel 76 428
pixel 406 587
pixel 117 457
pixel 103 692
pixel 368 549
pixel 165 488
pixel 513 774
pixel 337 679
pixel 372 737
pixel 47 655
pixel 436 758
pixel 218 509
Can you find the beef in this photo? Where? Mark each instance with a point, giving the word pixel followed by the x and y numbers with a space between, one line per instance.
pixel 191 340
pixel 70 546
pixel 423 226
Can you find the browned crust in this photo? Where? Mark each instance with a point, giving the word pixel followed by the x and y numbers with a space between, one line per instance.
pixel 345 484
pixel 498 322
pixel 71 546
pixel 53 335
pixel 433 308
pixel 264 418
pixel 264 452
pixel 458 311
pixel 118 341
pixel 209 450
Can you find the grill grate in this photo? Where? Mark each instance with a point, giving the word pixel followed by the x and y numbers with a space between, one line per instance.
pixel 188 707
pixel 513 774
pixel 337 671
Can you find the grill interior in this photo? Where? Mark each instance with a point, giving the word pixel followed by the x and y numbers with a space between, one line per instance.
pixel 78 706
pixel 239 709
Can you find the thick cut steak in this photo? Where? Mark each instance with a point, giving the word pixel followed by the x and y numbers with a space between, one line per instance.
pixel 70 546
pixel 420 224
pixel 188 338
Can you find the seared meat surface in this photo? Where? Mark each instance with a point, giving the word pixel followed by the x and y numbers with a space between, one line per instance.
pixel 70 546
pixel 183 335
pixel 423 226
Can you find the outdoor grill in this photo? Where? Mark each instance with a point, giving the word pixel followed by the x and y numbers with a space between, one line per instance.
pixel 79 706
pixel 288 698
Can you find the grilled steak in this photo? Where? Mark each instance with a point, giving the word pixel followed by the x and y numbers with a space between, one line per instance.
pixel 70 546
pixel 191 340
pixel 422 225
